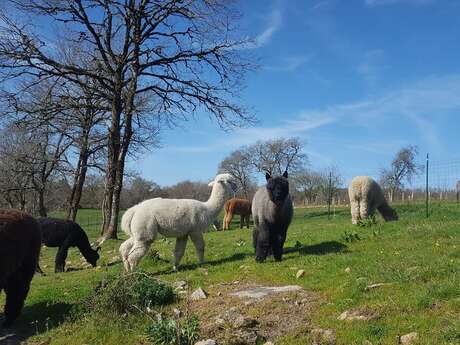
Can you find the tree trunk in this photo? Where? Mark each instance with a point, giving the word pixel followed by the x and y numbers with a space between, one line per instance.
pixel 80 176
pixel 41 203
pixel 118 186
pixel 77 188
pixel 113 150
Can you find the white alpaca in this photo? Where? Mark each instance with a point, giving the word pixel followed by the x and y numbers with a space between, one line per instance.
pixel 365 197
pixel 179 218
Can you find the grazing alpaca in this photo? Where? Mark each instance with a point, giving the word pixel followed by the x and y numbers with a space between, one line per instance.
pixel 20 242
pixel 272 212
pixel 64 234
pixel 365 197
pixel 179 218
pixel 237 206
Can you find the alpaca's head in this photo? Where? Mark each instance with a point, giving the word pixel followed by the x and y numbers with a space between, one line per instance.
pixel 225 180
pixel 277 187
pixel 92 256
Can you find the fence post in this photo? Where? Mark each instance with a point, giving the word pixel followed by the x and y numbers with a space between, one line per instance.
pixel 329 197
pixel 427 196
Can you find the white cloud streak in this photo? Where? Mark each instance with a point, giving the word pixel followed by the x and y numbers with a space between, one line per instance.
pixel 372 3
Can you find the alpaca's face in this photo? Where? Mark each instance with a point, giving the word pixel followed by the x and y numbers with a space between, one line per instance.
pixel 93 257
pixel 278 189
pixel 227 181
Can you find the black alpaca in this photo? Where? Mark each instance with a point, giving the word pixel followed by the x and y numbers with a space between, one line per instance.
pixel 65 234
pixel 272 213
pixel 20 243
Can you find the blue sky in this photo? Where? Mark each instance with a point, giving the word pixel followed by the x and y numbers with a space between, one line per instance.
pixel 356 80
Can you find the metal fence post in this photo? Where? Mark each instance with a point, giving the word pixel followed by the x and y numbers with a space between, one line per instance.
pixel 427 196
pixel 329 197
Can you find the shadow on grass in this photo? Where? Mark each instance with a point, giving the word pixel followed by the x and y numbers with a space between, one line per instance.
pixel 189 267
pixel 322 248
pixel 35 319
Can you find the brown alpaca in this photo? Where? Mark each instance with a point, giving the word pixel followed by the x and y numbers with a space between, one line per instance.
pixel 20 242
pixel 237 206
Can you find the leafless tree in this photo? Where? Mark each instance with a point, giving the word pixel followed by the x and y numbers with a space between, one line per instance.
pixel 183 54
pixel 277 155
pixel 403 168
pixel 238 163
pixel 139 189
pixel 310 183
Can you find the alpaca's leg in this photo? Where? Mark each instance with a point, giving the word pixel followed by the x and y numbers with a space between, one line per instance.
pixel 262 243
pixel 229 220
pixel 364 209
pixel 125 249
pixel 60 257
pixel 224 221
pixel 198 241
pixel 241 221
pixel 279 244
pixel 247 221
pixel 355 215
pixel 181 243
pixel 16 292
pixel 138 250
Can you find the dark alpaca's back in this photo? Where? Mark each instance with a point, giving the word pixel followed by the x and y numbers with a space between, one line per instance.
pixel 64 234
pixel 20 242
pixel 272 213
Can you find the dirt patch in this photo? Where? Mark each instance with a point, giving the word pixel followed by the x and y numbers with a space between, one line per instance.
pixel 230 319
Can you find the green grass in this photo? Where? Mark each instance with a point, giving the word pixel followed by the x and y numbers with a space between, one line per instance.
pixel 418 257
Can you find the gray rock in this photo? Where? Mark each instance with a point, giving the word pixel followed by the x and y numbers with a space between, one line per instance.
pixel 364 315
pixel 323 336
pixel 198 294
pixel 206 342
pixel 263 291
pixel 408 338
pixel 177 313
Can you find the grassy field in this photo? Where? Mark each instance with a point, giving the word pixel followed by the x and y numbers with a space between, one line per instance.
pixel 418 259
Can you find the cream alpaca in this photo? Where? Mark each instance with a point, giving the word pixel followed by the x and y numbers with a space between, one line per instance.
pixel 365 197
pixel 179 218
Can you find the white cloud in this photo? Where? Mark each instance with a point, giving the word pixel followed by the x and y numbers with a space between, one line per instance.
pixel 289 64
pixel 273 23
pixel 394 2
pixel 418 104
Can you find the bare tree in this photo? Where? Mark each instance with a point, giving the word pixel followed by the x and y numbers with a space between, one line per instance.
pixel 403 169
pixel 183 54
pixel 310 183
pixel 238 163
pixel 139 189
pixel 277 155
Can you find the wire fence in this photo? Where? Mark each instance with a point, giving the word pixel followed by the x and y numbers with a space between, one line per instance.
pixel 435 184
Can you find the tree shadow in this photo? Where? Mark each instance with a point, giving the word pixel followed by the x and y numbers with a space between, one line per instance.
pixel 34 320
pixel 189 267
pixel 322 248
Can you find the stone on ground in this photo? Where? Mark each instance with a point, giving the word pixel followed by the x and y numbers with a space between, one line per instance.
pixel 263 291
pixel 198 294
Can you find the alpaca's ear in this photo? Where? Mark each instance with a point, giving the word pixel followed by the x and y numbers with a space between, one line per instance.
pixel 210 184
pixel 285 174
pixel 268 176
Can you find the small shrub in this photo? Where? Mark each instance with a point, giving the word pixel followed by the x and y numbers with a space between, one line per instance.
pixel 130 293
pixel 367 223
pixel 350 236
pixel 167 331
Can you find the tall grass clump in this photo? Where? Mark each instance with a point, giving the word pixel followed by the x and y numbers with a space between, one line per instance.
pixel 129 293
pixel 168 331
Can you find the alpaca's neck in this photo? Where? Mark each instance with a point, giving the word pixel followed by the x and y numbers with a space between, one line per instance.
pixel 216 200
pixel 85 249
